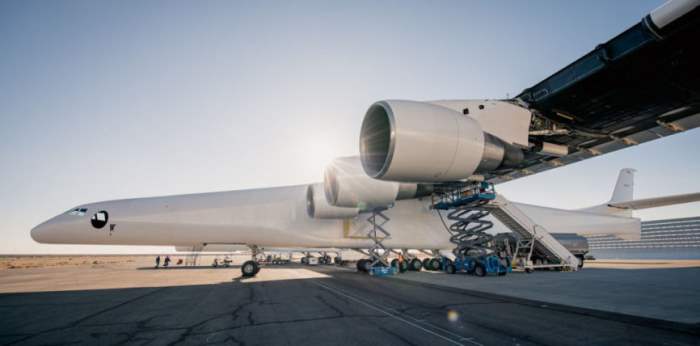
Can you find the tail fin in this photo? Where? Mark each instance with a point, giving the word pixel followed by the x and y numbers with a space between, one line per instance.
pixel 624 189
pixel 623 192
pixel 622 201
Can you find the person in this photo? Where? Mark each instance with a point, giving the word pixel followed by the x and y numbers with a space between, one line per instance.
pixel 166 262
pixel 158 261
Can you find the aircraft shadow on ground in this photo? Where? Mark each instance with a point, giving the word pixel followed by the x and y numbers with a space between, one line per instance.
pixel 190 267
pixel 291 311
pixel 166 314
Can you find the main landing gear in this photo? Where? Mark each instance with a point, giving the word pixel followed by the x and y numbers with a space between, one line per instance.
pixel 251 268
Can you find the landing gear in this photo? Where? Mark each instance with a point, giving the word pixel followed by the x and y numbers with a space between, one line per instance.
pixel 338 260
pixel 402 266
pixel 426 263
pixel 250 269
pixel 415 265
pixel 434 264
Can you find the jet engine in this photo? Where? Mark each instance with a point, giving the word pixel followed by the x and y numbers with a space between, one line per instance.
pixel 347 185
pixel 409 141
pixel 317 206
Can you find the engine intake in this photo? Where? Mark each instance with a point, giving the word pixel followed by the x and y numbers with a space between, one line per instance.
pixel 317 206
pixel 347 185
pixel 409 141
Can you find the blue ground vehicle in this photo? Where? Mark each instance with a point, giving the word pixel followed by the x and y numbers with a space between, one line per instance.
pixel 478 265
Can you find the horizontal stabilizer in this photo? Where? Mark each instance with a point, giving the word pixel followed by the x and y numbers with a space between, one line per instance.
pixel 657 201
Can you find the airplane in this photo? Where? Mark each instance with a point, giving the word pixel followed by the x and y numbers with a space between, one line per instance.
pixel 641 85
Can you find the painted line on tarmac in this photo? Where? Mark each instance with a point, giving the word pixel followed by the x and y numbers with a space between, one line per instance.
pixel 399 318
pixel 418 320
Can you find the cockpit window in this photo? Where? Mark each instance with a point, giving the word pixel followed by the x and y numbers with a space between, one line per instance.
pixel 78 212
pixel 99 219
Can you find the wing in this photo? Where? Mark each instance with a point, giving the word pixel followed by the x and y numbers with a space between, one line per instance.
pixel 641 85
pixel 657 202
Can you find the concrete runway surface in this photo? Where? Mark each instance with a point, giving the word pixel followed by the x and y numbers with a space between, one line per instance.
pixel 290 305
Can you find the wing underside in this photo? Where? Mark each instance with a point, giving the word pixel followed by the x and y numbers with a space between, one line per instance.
pixel 642 85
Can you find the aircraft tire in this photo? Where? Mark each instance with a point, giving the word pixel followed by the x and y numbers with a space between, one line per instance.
pixel 395 263
pixel 450 269
pixel 249 269
pixel 338 260
pixel 434 264
pixel 304 260
pixel 580 261
pixel 416 265
pixel 426 263
pixel 403 267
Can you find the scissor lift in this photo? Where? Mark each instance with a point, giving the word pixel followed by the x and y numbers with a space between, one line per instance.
pixel 378 262
pixel 467 207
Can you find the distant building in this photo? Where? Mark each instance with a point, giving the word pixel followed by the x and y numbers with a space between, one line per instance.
pixel 663 239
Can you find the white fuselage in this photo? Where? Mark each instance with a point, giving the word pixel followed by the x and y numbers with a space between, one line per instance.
pixel 277 217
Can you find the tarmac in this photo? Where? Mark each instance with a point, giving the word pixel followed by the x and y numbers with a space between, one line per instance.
pixel 670 294
pixel 320 305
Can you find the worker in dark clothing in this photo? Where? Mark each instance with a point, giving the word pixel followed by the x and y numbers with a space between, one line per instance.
pixel 166 262
pixel 158 261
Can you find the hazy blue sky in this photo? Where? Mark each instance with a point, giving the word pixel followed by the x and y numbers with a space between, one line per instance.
pixel 114 99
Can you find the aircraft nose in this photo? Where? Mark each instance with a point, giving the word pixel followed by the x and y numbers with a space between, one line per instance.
pixel 49 231
pixel 38 233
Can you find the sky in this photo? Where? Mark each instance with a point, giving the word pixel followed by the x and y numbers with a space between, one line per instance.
pixel 102 100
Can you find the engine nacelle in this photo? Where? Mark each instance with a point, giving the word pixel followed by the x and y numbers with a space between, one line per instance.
pixel 318 207
pixel 408 141
pixel 347 185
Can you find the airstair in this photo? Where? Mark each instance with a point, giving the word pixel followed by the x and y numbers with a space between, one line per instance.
pixel 532 238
